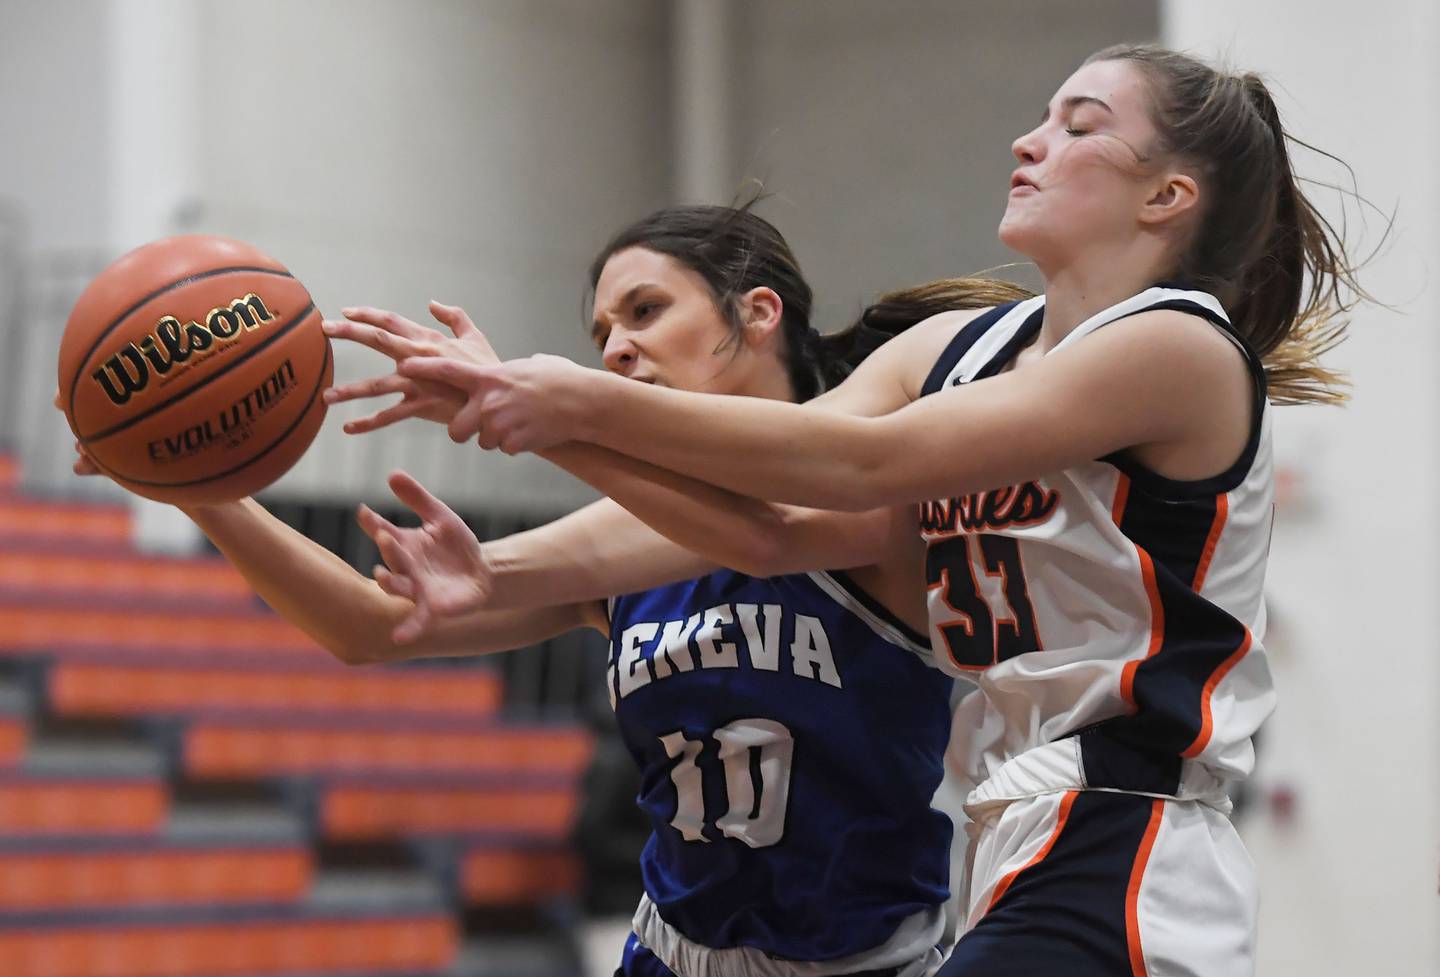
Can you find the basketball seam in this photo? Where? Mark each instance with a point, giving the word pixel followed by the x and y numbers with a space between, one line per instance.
pixel 310 404
pixel 237 361
pixel 115 324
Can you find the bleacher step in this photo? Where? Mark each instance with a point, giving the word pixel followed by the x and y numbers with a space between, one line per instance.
pixel 375 890
pixel 50 755
pixel 539 955
pixel 248 822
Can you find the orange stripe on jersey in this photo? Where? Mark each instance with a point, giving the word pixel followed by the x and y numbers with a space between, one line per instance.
pixel 1222 507
pixel 1132 891
pixel 1157 624
pixel 1207 722
pixel 1004 884
pixel 1152 594
pixel 1122 495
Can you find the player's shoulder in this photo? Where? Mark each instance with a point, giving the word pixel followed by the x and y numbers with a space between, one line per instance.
pixel 1152 338
pixel 923 343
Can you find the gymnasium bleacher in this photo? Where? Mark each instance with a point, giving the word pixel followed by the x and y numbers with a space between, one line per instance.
pixel 190 788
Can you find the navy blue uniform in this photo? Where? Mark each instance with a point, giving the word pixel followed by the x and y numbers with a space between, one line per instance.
pixel 790 735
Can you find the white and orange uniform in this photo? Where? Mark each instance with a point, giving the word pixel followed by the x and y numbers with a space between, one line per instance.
pixel 1111 620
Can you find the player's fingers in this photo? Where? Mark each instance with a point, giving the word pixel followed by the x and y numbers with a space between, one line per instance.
pixel 454 318
pixel 390 415
pixel 391 322
pixel 381 386
pixel 372 524
pixel 396 557
pixel 418 498
pixel 468 422
pixel 83 464
pixel 451 372
pixel 393 345
pixel 392 583
pixel 410 629
pixel 458 320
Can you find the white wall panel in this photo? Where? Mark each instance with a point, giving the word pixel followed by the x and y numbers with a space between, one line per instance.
pixel 1350 882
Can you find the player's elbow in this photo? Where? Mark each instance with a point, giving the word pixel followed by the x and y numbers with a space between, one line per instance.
pixel 357 650
pixel 855 491
pixel 762 548
pixel 758 557
pixel 874 480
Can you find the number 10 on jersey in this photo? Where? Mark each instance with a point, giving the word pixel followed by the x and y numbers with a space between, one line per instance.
pixel 754 759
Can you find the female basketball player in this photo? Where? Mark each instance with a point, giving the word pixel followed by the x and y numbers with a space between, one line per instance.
pixel 788 839
pixel 1094 478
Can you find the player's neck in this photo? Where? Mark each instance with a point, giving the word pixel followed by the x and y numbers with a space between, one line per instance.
pixel 1092 283
pixel 771 382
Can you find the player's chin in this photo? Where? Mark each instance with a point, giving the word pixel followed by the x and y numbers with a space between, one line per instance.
pixel 1021 229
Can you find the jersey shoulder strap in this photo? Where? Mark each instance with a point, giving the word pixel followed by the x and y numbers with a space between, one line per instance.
pixel 980 341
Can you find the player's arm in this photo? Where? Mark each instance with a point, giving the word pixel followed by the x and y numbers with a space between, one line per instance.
pixel 1060 411
pixel 347 613
pixel 630 540
pixel 762 539
pixel 724 527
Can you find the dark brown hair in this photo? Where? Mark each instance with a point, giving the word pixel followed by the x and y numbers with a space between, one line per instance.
pixel 734 251
pixel 1279 268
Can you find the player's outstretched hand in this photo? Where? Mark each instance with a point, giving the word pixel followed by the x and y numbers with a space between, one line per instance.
pixel 399 338
pixel 83 465
pixel 439 566
pixel 528 404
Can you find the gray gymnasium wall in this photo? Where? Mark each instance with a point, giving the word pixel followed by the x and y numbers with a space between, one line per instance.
pixel 884 129
pixel 53 203
pixel 479 152
pixel 475 153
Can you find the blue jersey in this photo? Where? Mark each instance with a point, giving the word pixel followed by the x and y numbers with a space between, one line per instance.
pixel 791 735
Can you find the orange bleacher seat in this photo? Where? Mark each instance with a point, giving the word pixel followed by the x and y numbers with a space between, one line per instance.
pixel 235 749
pixel 30 626
pixel 14 734
pixel 78 688
pixel 510 877
pixel 80 575
pixel 232 949
pixel 86 879
pixel 93 524
pixel 371 810
pixel 96 807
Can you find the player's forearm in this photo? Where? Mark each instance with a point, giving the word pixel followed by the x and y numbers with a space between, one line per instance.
pixel 312 588
pixel 726 528
pixel 600 551
pixel 345 612
pixel 764 449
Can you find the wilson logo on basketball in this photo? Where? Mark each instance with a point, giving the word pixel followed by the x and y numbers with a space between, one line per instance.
pixel 172 343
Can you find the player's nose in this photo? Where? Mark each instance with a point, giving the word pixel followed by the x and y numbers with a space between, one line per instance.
pixel 619 355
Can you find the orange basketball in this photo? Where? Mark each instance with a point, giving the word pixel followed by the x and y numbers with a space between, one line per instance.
pixel 191 370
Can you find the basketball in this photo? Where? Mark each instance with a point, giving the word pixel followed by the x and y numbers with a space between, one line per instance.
pixel 191 370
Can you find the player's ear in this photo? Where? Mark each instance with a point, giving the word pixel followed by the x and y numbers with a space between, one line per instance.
pixel 761 310
pixel 1177 196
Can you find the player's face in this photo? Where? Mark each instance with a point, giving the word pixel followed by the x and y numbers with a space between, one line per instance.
pixel 656 320
pixel 1081 178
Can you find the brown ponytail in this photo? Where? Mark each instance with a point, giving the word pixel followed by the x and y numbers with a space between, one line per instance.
pixel 896 311
pixel 1262 248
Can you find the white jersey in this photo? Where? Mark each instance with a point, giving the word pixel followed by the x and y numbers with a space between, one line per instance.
pixel 1104 604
